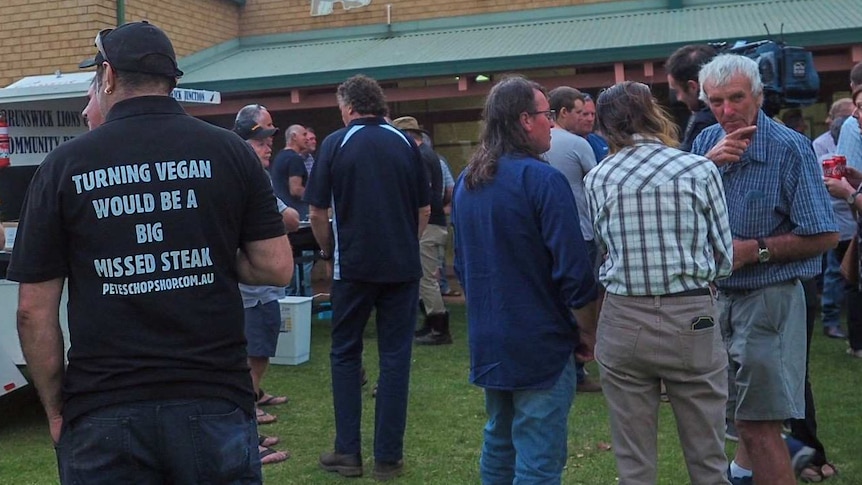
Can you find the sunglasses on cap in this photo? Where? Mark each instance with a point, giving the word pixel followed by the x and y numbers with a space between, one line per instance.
pixel 99 45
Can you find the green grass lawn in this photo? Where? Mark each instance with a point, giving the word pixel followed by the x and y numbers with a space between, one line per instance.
pixel 446 415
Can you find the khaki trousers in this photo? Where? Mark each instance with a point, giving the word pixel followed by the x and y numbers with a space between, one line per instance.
pixel 642 341
pixel 429 286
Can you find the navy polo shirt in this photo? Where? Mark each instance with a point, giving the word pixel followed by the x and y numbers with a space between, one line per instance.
pixel 371 175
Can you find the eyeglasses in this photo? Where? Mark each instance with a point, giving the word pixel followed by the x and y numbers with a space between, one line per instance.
pixel 99 45
pixel 549 114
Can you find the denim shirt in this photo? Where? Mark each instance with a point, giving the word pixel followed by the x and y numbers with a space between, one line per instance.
pixel 523 264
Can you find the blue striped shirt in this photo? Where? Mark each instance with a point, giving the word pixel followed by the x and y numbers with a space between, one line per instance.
pixel 660 216
pixel 850 143
pixel 776 188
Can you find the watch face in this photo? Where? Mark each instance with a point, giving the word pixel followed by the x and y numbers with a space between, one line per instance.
pixel 763 255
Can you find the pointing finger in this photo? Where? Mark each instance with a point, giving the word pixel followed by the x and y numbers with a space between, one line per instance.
pixel 743 133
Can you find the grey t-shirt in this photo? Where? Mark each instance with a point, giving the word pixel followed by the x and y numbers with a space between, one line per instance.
pixel 573 156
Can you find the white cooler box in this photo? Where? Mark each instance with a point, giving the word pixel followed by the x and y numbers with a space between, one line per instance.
pixel 294 340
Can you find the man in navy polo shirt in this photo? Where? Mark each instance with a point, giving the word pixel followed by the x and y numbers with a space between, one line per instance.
pixel 370 174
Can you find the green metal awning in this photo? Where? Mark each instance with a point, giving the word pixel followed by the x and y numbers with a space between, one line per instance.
pixel 566 36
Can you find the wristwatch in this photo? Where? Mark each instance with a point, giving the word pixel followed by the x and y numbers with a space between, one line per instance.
pixel 763 254
pixel 322 255
pixel 851 199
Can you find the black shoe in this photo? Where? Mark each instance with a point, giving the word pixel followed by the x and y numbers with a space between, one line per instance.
pixel 834 332
pixel 422 331
pixel 387 470
pixel 588 386
pixel 439 330
pixel 434 338
pixel 344 465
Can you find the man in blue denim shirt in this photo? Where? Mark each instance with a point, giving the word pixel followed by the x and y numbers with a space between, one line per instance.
pixel 781 222
pixel 522 262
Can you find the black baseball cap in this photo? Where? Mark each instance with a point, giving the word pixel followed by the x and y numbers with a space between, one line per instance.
pixel 250 130
pixel 136 47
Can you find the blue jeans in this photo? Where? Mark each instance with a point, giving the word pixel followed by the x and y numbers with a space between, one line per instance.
pixel 180 441
pixel 834 289
pixel 352 303
pixel 526 432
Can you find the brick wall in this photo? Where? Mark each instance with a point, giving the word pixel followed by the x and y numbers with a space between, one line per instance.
pixel 260 17
pixel 192 25
pixel 42 36
pixel 39 37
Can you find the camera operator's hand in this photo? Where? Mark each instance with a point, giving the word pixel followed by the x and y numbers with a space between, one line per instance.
pixel 730 148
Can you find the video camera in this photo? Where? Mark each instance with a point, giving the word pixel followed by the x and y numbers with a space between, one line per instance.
pixel 787 72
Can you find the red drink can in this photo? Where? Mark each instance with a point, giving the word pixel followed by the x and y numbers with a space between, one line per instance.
pixel 829 168
pixel 840 169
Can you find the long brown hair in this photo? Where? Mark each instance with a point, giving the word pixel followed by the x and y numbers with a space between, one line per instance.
pixel 628 108
pixel 502 132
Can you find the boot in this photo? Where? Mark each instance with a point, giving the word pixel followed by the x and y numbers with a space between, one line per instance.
pixel 439 334
pixel 425 329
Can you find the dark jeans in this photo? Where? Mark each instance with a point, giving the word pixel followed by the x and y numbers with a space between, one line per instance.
pixel 853 300
pixel 352 303
pixel 854 318
pixel 805 430
pixel 854 314
pixel 181 441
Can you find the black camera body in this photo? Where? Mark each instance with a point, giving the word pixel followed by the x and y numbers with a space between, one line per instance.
pixel 787 72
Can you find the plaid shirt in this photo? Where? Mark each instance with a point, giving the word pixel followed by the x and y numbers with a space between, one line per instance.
pixel 776 188
pixel 660 216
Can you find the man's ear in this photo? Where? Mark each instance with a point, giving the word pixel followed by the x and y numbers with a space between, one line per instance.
pixel 526 122
pixel 109 79
pixel 692 85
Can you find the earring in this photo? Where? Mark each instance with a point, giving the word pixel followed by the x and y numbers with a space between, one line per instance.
pixel 109 91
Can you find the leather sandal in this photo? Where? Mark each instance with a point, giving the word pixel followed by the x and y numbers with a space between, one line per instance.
pixel 264 399
pixel 269 456
pixel 264 417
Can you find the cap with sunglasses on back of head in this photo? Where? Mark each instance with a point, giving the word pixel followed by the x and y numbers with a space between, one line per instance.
pixel 136 47
pixel 251 130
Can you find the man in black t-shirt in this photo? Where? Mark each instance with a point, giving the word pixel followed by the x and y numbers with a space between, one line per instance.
pixel 370 174
pixel 153 218
pixel 289 174
pixel 435 328
pixel 289 177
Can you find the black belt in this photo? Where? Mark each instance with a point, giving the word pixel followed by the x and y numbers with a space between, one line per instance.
pixel 747 291
pixel 695 292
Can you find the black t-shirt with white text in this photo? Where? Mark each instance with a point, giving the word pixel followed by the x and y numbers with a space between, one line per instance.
pixel 144 216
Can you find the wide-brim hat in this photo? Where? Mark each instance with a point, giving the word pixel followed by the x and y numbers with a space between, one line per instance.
pixel 409 123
